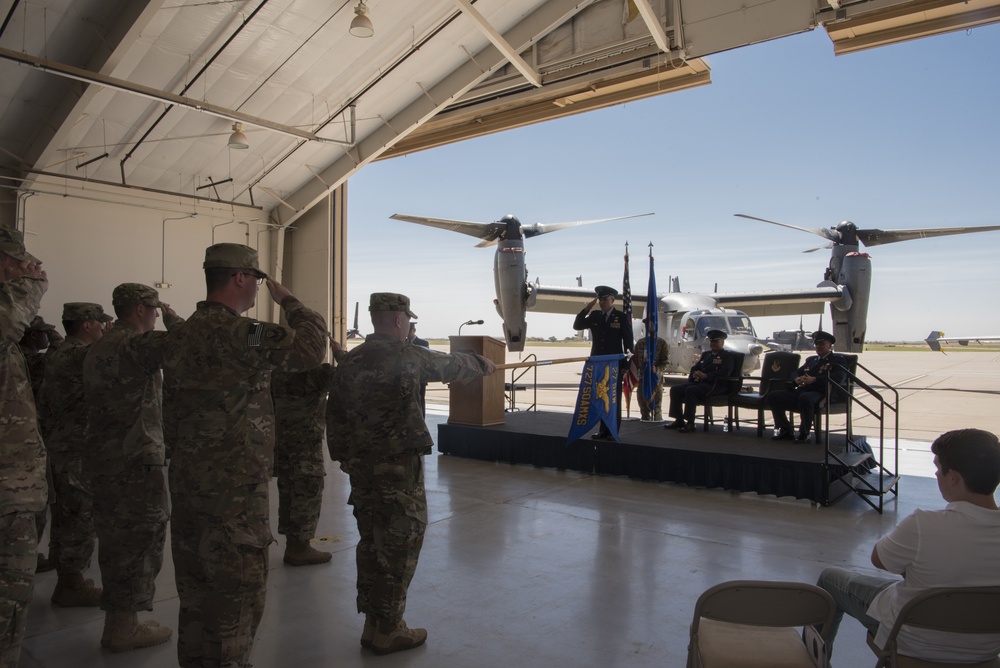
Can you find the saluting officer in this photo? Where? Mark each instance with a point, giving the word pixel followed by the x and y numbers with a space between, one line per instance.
pixel 610 334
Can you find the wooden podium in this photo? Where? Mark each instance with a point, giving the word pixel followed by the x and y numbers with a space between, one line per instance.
pixel 478 402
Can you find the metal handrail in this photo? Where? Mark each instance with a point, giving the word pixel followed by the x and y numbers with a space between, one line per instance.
pixel 850 399
pixel 516 374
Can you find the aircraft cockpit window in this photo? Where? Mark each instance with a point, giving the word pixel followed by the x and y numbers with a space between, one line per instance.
pixel 740 325
pixel 710 322
pixel 690 330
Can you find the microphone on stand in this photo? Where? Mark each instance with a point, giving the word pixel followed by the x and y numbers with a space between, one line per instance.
pixel 468 322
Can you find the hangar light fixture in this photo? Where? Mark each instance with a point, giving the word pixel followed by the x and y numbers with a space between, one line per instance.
pixel 238 139
pixel 362 26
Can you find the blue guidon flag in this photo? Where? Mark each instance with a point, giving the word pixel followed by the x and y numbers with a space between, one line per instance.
pixel 598 400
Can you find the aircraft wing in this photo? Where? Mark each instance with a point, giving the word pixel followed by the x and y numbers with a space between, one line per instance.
pixel 935 339
pixel 783 302
pixel 549 299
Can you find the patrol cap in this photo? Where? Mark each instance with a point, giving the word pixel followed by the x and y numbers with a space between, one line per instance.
pixel 232 256
pixel 135 294
pixel 390 301
pixel 824 336
pixel 605 291
pixel 38 324
pixel 80 311
pixel 12 243
pixel 714 334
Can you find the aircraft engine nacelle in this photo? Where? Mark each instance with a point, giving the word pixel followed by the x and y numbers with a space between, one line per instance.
pixel 510 279
pixel 850 325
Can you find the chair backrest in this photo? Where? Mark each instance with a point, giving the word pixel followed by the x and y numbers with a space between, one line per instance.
pixel 735 382
pixel 837 396
pixel 777 368
pixel 764 603
pixel 953 609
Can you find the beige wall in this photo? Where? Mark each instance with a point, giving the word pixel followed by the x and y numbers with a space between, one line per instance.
pixel 91 240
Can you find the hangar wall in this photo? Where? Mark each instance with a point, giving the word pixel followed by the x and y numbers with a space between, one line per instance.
pixel 88 246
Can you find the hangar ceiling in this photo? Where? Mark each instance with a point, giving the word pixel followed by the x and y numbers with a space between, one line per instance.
pixel 143 94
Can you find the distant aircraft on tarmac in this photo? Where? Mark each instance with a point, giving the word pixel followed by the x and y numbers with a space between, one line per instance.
pixel 354 332
pixel 935 339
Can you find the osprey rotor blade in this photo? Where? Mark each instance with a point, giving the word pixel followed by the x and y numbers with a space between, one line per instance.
pixel 544 228
pixel 879 237
pixel 829 235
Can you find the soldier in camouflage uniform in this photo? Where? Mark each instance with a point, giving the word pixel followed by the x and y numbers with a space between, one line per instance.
pixel 22 455
pixel 299 421
pixel 374 410
pixel 219 431
pixel 125 463
pixel 37 338
pixel 65 424
pixel 660 359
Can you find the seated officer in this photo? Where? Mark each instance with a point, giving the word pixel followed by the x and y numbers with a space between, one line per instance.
pixel 707 378
pixel 809 387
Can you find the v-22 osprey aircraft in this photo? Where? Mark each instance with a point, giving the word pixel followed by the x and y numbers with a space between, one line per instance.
pixel 685 318
pixel 510 275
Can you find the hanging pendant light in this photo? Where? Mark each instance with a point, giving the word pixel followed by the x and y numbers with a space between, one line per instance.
pixel 362 26
pixel 238 139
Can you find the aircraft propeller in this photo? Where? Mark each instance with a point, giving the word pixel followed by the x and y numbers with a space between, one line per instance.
pixel 847 233
pixel 508 227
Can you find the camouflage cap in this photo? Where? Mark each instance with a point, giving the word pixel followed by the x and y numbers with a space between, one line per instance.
pixel 38 324
pixel 135 294
pixel 12 243
pixel 232 256
pixel 80 311
pixel 390 301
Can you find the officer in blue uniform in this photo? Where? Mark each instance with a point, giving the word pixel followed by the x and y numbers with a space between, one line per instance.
pixel 610 334
pixel 707 378
pixel 809 387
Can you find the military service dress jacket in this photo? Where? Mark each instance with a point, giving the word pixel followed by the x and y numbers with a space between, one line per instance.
pixel 611 335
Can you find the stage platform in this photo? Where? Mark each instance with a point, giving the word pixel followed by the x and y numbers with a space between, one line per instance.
pixel 736 461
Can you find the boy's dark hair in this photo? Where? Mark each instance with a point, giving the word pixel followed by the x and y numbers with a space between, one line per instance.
pixel 974 453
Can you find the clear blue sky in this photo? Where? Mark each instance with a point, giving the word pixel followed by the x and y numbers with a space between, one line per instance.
pixel 898 137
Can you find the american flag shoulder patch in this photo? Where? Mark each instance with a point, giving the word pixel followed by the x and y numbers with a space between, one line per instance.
pixel 255 334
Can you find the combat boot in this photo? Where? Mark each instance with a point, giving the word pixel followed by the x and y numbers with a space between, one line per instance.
pixel 72 591
pixel 124 632
pixel 368 632
pixel 301 553
pixel 397 638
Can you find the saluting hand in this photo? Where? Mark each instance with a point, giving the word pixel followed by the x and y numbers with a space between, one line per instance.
pixel 277 290
pixel 591 303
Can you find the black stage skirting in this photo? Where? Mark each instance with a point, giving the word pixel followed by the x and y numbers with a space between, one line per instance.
pixel 736 461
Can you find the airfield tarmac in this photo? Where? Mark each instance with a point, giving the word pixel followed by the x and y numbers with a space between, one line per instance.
pixel 937 392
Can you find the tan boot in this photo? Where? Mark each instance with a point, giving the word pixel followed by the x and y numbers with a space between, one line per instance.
pixel 72 591
pixel 397 638
pixel 124 632
pixel 301 553
pixel 368 632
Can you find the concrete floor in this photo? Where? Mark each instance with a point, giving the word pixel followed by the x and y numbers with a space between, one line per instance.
pixel 526 567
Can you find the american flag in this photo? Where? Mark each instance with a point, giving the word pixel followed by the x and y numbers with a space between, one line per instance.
pixel 629 380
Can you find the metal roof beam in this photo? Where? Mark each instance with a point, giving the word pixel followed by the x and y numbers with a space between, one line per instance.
pixel 537 24
pixel 512 56
pixel 653 23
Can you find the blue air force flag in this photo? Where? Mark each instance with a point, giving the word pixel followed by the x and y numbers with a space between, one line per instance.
pixel 598 398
